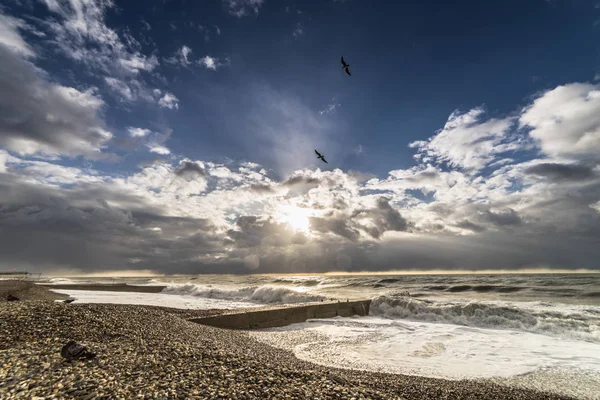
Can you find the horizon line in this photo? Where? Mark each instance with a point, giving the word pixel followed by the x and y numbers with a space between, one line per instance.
pixel 147 273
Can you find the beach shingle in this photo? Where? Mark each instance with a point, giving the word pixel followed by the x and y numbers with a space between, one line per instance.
pixel 155 353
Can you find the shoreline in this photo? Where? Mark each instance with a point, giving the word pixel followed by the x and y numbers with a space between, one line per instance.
pixel 156 352
pixel 27 290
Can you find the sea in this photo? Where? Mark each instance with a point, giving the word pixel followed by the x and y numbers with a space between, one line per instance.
pixel 538 331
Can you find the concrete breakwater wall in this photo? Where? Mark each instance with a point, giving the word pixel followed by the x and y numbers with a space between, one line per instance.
pixel 283 316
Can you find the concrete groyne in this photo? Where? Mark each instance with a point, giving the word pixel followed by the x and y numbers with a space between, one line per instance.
pixel 283 316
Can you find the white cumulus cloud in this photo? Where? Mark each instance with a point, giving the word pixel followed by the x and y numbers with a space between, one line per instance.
pixel 169 101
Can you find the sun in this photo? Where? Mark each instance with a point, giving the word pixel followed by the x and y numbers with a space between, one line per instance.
pixel 296 218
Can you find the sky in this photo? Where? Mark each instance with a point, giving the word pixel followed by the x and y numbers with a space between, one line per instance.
pixel 178 136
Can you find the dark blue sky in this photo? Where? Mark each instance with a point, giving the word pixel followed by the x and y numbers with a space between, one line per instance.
pixel 413 64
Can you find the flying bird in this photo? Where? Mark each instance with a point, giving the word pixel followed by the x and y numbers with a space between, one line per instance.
pixel 321 157
pixel 346 66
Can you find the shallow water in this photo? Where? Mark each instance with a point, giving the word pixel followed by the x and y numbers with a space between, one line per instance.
pixel 448 351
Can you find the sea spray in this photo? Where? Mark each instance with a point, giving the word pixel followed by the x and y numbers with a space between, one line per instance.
pixel 574 323
pixel 257 294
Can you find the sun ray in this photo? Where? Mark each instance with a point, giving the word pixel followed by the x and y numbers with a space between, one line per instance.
pixel 297 218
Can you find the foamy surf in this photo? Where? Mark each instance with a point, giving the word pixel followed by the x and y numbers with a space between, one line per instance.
pixel 253 294
pixel 153 299
pixel 561 320
pixel 441 350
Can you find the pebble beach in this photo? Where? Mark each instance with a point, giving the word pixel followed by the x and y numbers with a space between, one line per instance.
pixel 146 352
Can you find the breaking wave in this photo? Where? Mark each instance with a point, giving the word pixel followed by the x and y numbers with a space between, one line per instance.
pixel 476 288
pixel 61 281
pixel 576 325
pixel 299 282
pixel 255 294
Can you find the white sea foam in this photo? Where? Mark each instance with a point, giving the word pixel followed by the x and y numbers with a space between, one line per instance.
pixel 255 294
pixel 438 350
pixel 568 321
pixel 152 299
pixel 61 281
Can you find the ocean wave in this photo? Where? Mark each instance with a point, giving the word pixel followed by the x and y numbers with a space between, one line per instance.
pixel 488 315
pixel 61 281
pixel 389 280
pixel 255 294
pixel 299 282
pixel 591 294
pixel 476 288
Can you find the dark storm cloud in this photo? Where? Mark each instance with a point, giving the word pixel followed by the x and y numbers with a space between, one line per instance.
pixel 466 224
pixel 301 180
pixel 384 218
pixel 561 172
pixel 261 188
pixel 154 161
pixel 101 238
pixel 189 169
pixel 252 231
pixel 46 228
pixel 339 204
pixel 339 226
pixel 503 218
pixel 36 115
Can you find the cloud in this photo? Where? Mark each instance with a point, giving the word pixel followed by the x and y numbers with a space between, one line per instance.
pixel 381 219
pixel 190 169
pixel 81 33
pixel 299 31
pixel 131 90
pixel 339 226
pixel 468 141
pixel 261 188
pixel 171 217
pixel 360 149
pixel 138 132
pixel 10 36
pixel 455 208
pixel 40 117
pixel 330 108
pixel 169 101
pixel 211 63
pixel 120 87
pixel 158 149
pixel 561 172
pixel 301 179
pixel 468 225
pixel 181 56
pixel 503 218
pixel 241 8
pixel 77 28
pixel 565 121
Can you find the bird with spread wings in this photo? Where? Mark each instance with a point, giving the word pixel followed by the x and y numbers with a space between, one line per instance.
pixel 346 66
pixel 321 157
